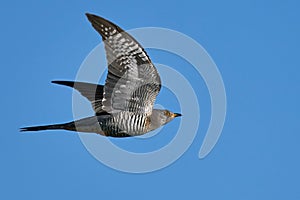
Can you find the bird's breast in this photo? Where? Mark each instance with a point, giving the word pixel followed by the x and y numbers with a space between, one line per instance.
pixel 129 123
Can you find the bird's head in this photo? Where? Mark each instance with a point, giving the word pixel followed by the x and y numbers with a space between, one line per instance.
pixel 161 117
pixel 168 115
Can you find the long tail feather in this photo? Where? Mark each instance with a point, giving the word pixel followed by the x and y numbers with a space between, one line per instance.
pixel 41 128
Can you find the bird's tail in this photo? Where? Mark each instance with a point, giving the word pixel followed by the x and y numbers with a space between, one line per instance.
pixel 66 126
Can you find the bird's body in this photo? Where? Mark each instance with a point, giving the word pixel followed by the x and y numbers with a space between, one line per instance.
pixel 124 105
pixel 121 124
pixel 124 123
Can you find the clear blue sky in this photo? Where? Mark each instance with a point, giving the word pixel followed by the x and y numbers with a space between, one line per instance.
pixel 256 47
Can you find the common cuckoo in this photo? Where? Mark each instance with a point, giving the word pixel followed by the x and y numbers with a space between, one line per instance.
pixel 124 105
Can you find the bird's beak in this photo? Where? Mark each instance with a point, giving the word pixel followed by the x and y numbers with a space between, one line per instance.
pixel 177 114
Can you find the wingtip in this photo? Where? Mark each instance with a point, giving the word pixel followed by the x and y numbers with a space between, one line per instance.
pixel 56 82
pixel 94 18
pixel 88 15
pixel 65 83
pixel 91 16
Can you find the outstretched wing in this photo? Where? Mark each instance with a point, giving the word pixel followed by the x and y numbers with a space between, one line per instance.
pixel 133 82
pixel 93 92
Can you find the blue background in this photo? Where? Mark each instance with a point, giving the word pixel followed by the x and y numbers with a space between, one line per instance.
pixel 256 47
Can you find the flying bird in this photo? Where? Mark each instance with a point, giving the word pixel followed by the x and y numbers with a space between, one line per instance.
pixel 124 105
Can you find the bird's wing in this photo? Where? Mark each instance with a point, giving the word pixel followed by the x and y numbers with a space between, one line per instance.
pixel 133 82
pixel 93 92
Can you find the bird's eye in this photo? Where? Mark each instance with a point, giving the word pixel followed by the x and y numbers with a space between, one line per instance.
pixel 167 113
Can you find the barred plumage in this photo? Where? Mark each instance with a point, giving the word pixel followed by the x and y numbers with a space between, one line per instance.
pixel 125 123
